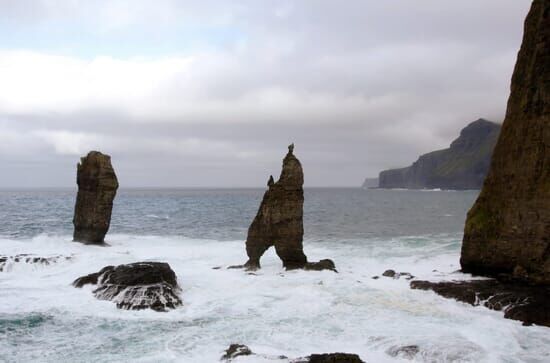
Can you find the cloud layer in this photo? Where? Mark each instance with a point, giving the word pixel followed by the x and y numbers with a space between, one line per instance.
pixel 210 93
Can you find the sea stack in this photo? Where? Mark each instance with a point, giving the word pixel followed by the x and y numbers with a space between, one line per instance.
pixel 279 221
pixel 97 186
pixel 507 231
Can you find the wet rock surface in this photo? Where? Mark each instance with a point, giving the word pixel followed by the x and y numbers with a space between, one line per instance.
pixel 237 350
pixel 7 261
pixel 396 275
pixel 330 358
pixel 97 186
pixel 136 286
pixel 508 228
pixel 518 301
pixel 279 221
pixel 325 264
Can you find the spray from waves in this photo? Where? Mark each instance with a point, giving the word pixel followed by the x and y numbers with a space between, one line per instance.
pixel 273 312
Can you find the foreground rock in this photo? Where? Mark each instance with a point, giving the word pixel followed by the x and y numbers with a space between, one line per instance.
pixel 330 358
pixel 529 304
pixel 508 229
pixel 97 186
pixel 279 221
pixel 397 275
pixel 237 350
pixel 463 165
pixel 7 261
pixel 136 286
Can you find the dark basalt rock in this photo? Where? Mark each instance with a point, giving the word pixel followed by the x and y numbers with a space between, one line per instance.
pixel 529 304
pixel 331 358
pixel 508 228
pixel 97 186
pixel 6 261
pixel 463 165
pixel 397 275
pixel 325 264
pixel 279 221
pixel 136 286
pixel 237 350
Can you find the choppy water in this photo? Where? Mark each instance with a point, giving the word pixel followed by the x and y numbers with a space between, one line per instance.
pixel 44 319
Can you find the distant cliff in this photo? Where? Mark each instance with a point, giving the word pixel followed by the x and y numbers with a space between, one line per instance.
pixel 370 183
pixel 462 166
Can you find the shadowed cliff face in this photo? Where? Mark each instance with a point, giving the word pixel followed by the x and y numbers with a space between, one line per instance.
pixel 508 228
pixel 279 221
pixel 97 186
pixel 462 166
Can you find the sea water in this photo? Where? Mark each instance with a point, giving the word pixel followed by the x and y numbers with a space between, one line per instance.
pixel 275 312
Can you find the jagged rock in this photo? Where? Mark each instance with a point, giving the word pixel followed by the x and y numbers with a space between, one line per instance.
pixel 525 303
pixel 325 264
pixel 236 350
pixel 136 286
pixel 462 166
pixel 7 261
pixel 508 228
pixel 279 221
pixel 97 186
pixel 331 358
pixel 397 275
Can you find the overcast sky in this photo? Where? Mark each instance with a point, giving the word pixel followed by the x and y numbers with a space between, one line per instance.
pixel 210 93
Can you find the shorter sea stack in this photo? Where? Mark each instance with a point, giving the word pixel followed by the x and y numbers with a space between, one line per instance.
pixel 279 221
pixel 136 286
pixel 462 166
pixel 97 186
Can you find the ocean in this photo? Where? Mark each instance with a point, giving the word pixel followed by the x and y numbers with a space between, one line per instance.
pixel 275 312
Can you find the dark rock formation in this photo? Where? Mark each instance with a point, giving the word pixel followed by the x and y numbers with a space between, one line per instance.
pixel 279 221
pixel 7 261
pixel 97 186
pixel 237 350
pixel 136 286
pixel 462 166
pixel 397 275
pixel 325 264
pixel 331 358
pixel 508 229
pixel 529 304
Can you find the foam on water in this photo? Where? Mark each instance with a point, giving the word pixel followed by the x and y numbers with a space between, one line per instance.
pixel 43 318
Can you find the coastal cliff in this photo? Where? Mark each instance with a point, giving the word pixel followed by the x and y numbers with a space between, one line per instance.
pixel 507 230
pixel 462 166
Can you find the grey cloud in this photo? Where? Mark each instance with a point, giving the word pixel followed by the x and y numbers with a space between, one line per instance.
pixel 384 81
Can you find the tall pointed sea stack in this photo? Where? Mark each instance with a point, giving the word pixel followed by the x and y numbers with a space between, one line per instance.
pixel 279 221
pixel 97 186
pixel 508 228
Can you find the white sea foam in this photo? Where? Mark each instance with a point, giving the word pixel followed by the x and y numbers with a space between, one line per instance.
pixel 43 318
